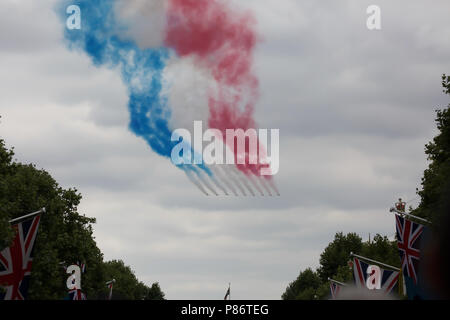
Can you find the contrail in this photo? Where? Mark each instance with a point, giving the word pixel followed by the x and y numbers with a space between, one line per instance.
pixel 205 182
pixel 217 38
pixel 241 177
pixel 224 179
pixel 228 172
pixel 273 186
pixel 247 186
pixel 141 69
pixel 214 180
pixel 255 185
pixel 263 183
pixel 194 181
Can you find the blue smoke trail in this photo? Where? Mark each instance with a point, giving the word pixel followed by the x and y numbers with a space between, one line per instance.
pixel 141 70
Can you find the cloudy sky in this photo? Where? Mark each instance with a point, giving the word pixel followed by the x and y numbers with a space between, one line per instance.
pixel 354 108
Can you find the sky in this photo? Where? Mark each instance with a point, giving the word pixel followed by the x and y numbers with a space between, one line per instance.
pixel 354 107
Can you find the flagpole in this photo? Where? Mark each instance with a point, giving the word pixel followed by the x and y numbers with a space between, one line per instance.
pixel 395 211
pixel 374 261
pixel 340 283
pixel 27 216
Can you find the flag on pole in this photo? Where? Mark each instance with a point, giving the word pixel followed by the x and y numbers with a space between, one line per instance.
pixel 82 266
pixel 389 278
pixel 335 289
pixel 16 261
pixel 410 238
pixel 76 294
pixel 109 284
pixel 227 294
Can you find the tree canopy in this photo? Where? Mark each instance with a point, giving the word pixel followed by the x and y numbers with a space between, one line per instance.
pixel 127 286
pixel 5 169
pixel 436 178
pixel 337 253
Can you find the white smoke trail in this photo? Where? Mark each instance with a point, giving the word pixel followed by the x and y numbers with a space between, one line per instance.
pixel 263 183
pixel 223 178
pixel 255 185
pixel 194 181
pixel 242 178
pixel 214 180
pixel 272 185
pixel 201 175
pixel 229 173
pixel 247 185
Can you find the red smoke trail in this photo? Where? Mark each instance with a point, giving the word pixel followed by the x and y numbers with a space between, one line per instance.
pixel 222 41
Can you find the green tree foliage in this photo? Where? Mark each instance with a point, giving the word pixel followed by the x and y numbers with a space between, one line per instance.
pixel 337 253
pixel 382 249
pixel 127 286
pixel 334 264
pixel 435 180
pixel 65 236
pixel 155 292
pixel 5 160
pixel 343 274
pixel 304 287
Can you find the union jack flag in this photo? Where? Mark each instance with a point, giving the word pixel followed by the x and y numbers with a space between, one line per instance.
pixel 82 266
pixel 15 261
pixel 110 284
pixel 76 294
pixel 335 289
pixel 389 278
pixel 409 235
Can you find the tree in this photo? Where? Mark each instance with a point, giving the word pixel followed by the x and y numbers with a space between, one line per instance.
pixel 127 286
pixel 5 230
pixel 435 180
pixel 382 249
pixel 337 253
pixel 435 199
pixel 155 293
pixel 64 235
pixel 304 287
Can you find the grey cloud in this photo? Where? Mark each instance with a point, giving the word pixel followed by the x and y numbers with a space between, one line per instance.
pixel 354 109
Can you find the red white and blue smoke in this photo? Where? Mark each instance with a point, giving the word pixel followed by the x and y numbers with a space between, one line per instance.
pixel 181 60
